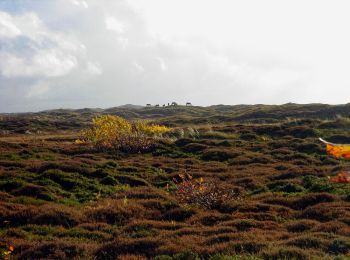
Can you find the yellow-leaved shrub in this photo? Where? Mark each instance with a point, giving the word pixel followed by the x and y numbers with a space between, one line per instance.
pixel 114 132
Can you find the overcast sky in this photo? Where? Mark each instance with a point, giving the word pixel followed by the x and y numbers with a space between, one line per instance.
pixel 104 53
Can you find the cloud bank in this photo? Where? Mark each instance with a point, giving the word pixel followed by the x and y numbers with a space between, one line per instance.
pixel 101 53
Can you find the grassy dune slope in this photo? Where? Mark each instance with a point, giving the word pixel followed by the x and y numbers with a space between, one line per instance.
pixel 67 119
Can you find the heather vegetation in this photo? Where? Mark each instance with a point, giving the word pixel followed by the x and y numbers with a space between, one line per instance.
pixel 210 187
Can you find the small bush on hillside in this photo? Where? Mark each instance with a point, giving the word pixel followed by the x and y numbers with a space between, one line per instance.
pixel 316 184
pixel 113 132
pixel 202 193
pixel 5 250
pixel 285 186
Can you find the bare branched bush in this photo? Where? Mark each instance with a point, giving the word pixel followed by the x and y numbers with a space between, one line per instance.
pixel 203 193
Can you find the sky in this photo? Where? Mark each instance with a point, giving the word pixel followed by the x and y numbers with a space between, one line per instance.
pixel 105 53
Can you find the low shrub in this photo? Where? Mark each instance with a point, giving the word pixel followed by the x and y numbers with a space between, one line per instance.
pixel 248 137
pixel 323 212
pixel 309 241
pixel 178 214
pixel 116 213
pixel 183 141
pixel 285 186
pixel 317 184
pixel 309 148
pixel 234 257
pixel 35 191
pixel 187 255
pixel 54 250
pixel 143 246
pixel 342 139
pixel 339 246
pixel 57 216
pixel 139 228
pixel 333 226
pixel 285 176
pixel 301 226
pixel 194 147
pixel 218 135
pixel 109 180
pixel 250 247
pixel 312 199
pixel 6 250
pixel 301 131
pixel 9 185
pixel 218 155
pixel 131 181
pixel 131 257
pixel 207 194
pixel 289 252
pixel 113 132
pixel 245 224
pixel 250 158
pixel 209 218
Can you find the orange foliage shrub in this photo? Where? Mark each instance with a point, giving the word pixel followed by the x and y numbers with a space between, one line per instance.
pixel 338 151
pixel 6 251
pixel 342 177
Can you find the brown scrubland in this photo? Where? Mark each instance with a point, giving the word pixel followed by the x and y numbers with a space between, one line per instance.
pixel 244 182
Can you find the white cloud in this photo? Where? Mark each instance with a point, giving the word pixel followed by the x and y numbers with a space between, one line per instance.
pixel 94 68
pixel 245 74
pixel 112 24
pixel 162 64
pixel 38 90
pixel 80 3
pixel 123 42
pixel 44 63
pixel 7 28
pixel 139 68
pixel 279 77
pixel 45 53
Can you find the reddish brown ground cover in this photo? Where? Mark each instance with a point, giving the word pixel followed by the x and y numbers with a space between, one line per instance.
pixel 62 200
